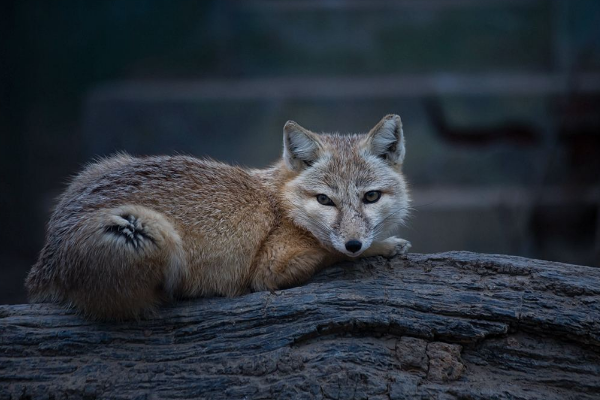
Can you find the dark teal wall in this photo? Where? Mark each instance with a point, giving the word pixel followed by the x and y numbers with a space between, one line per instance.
pixel 56 54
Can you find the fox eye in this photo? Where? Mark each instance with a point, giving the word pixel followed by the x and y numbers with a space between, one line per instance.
pixel 372 197
pixel 326 201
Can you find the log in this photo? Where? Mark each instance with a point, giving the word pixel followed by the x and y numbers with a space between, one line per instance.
pixel 454 325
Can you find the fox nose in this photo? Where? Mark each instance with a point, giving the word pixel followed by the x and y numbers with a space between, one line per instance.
pixel 353 245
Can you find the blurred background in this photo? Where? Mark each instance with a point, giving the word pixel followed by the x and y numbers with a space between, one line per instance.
pixel 500 101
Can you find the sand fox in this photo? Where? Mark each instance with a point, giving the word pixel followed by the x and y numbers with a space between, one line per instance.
pixel 130 233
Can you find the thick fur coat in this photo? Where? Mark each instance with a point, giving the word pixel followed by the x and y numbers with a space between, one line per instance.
pixel 130 233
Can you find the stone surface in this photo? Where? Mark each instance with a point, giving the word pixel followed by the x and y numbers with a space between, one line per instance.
pixel 444 326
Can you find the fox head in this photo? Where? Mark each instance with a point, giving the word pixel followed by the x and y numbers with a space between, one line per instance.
pixel 347 190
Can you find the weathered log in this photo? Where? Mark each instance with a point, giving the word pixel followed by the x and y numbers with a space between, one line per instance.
pixel 448 326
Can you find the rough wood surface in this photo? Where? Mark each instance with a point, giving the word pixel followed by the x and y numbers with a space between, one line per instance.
pixel 444 326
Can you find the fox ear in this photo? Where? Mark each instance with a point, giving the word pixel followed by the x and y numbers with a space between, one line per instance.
pixel 386 140
pixel 300 146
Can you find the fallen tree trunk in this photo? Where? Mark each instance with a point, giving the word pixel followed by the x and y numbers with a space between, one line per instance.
pixel 451 325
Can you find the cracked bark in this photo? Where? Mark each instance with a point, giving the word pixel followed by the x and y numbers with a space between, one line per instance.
pixel 449 326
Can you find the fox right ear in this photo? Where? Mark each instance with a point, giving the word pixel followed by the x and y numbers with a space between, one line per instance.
pixel 386 140
pixel 300 146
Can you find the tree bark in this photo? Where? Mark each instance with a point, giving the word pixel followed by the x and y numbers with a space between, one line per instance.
pixel 453 325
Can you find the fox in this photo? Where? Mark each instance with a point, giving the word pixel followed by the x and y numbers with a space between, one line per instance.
pixel 131 233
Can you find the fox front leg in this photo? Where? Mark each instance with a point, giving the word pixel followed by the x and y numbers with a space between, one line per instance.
pixel 288 270
pixel 388 248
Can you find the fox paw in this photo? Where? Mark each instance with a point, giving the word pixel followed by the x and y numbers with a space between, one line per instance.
pixel 398 246
pixel 388 248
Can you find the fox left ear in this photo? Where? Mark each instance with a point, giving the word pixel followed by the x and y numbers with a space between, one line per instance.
pixel 386 140
pixel 301 147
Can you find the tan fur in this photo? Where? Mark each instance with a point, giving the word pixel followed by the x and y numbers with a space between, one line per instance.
pixel 130 233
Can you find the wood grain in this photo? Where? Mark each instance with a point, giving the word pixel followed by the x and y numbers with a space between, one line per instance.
pixel 453 325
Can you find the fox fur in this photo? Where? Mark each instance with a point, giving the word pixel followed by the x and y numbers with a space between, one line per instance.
pixel 130 233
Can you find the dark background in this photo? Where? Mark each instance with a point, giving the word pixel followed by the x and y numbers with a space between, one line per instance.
pixel 500 102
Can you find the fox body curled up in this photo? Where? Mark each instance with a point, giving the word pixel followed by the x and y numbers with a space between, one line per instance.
pixel 130 233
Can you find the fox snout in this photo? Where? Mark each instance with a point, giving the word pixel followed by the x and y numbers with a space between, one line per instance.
pixel 353 229
pixel 351 245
